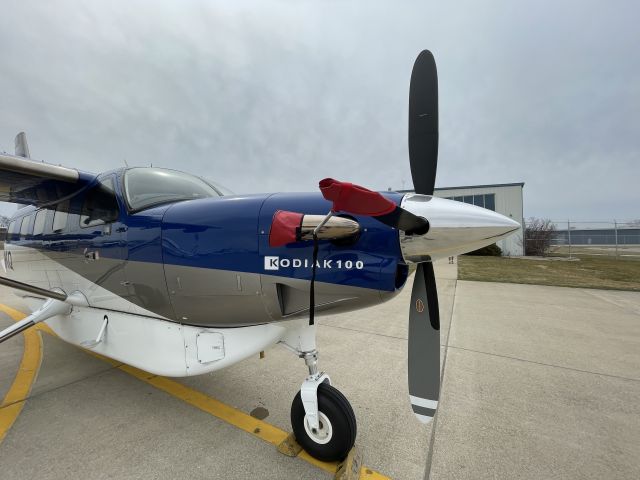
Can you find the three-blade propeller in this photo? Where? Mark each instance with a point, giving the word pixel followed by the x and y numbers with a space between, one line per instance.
pixel 424 316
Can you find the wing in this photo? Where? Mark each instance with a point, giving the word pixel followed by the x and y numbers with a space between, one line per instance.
pixel 30 182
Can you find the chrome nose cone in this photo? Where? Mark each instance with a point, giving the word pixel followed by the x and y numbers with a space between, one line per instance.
pixel 455 228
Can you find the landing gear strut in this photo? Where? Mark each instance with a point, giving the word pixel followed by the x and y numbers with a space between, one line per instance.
pixel 322 419
pixel 331 434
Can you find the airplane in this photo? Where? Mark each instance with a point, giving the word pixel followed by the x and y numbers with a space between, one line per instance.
pixel 168 272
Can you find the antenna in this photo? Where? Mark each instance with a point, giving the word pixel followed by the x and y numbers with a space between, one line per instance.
pixel 22 148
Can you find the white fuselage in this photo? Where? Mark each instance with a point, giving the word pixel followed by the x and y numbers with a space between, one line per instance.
pixel 136 336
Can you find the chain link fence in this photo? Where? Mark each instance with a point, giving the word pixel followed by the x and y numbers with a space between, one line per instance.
pixel 569 238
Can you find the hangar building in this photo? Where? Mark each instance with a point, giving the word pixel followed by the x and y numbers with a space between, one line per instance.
pixel 504 198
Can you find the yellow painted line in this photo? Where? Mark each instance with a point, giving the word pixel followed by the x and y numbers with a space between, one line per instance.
pixel 16 396
pixel 43 327
pixel 15 315
pixel 259 428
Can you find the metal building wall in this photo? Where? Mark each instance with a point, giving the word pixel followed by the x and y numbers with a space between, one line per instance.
pixel 508 202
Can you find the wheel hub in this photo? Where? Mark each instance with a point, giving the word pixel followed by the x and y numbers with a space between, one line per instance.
pixel 321 435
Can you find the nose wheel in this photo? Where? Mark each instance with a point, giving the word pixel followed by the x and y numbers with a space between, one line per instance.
pixel 335 433
pixel 322 419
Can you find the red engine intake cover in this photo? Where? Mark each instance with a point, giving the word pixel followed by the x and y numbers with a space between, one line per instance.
pixel 284 228
pixel 351 198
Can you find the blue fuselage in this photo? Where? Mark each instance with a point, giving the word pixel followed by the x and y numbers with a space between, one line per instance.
pixel 208 261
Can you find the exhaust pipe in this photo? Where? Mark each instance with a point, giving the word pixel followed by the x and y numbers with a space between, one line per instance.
pixel 289 227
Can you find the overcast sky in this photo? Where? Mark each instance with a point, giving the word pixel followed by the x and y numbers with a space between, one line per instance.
pixel 274 96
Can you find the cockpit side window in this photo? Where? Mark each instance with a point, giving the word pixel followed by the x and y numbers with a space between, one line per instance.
pixel 147 187
pixel 100 205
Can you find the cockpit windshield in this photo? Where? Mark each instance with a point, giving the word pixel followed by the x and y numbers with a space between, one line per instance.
pixel 146 187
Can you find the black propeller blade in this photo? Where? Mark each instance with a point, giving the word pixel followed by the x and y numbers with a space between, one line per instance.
pixel 424 316
pixel 424 344
pixel 423 123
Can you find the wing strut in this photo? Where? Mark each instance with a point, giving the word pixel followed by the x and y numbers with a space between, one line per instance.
pixel 25 287
pixel 58 304
pixel 51 308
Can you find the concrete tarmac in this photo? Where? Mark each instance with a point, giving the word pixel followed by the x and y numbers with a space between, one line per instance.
pixel 539 382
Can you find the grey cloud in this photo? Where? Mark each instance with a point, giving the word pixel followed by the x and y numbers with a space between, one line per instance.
pixel 266 97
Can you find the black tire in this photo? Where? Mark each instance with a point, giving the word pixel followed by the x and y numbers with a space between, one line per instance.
pixel 334 405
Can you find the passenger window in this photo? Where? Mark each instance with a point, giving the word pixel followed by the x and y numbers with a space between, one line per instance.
pixel 100 205
pixel 38 226
pixel 60 217
pixel 24 227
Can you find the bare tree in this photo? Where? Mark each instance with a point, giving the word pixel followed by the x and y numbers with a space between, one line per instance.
pixel 538 233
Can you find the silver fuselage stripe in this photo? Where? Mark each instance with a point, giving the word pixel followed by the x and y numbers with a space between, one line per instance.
pixel 423 402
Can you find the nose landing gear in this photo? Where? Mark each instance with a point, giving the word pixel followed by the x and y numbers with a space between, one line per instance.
pixel 322 419
pixel 335 434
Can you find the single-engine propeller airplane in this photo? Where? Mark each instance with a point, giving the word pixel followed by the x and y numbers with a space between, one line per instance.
pixel 164 271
